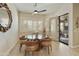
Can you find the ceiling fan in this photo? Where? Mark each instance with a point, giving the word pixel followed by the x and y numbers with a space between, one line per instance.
pixel 38 11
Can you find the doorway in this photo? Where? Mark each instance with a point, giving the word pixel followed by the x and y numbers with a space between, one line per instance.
pixel 64 28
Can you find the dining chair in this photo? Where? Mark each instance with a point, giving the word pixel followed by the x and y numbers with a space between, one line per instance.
pixel 21 41
pixel 46 42
pixel 31 46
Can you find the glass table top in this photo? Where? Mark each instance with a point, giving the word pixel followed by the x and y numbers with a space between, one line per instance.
pixel 34 36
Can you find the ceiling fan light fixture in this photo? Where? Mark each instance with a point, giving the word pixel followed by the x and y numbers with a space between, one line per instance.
pixel 35 12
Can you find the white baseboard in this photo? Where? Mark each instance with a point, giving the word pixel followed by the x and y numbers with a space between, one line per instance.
pixel 10 49
pixel 76 46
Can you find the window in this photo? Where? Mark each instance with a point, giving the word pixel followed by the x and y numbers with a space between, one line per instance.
pixel 29 24
pixel 34 25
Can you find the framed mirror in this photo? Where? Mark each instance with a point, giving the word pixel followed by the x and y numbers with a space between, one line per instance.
pixel 5 17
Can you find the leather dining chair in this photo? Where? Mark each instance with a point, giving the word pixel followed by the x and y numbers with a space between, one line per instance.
pixel 31 46
pixel 46 42
pixel 21 41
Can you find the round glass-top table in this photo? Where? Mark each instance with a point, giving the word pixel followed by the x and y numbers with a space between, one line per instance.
pixel 35 36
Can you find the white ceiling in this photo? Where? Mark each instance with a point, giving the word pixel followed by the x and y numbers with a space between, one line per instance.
pixel 29 7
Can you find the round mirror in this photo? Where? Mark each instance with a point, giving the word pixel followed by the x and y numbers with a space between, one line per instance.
pixel 5 17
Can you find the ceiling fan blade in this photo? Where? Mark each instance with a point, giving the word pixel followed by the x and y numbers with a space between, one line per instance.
pixel 42 11
pixel 35 11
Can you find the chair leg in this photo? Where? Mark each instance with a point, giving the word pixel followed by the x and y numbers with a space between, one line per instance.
pixel 20 47
pixel 48 50
pixel 25 53
pixel 51 47
pixel 32 53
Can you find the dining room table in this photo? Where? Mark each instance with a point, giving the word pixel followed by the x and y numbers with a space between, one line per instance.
pixel 31 37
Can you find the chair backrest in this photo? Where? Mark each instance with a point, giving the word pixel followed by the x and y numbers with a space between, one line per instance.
pixel 22 38
pixel 46 42
pixel 31 43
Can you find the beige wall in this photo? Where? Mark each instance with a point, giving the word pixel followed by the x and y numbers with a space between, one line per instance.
pixel 76 30
pixel 9 38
